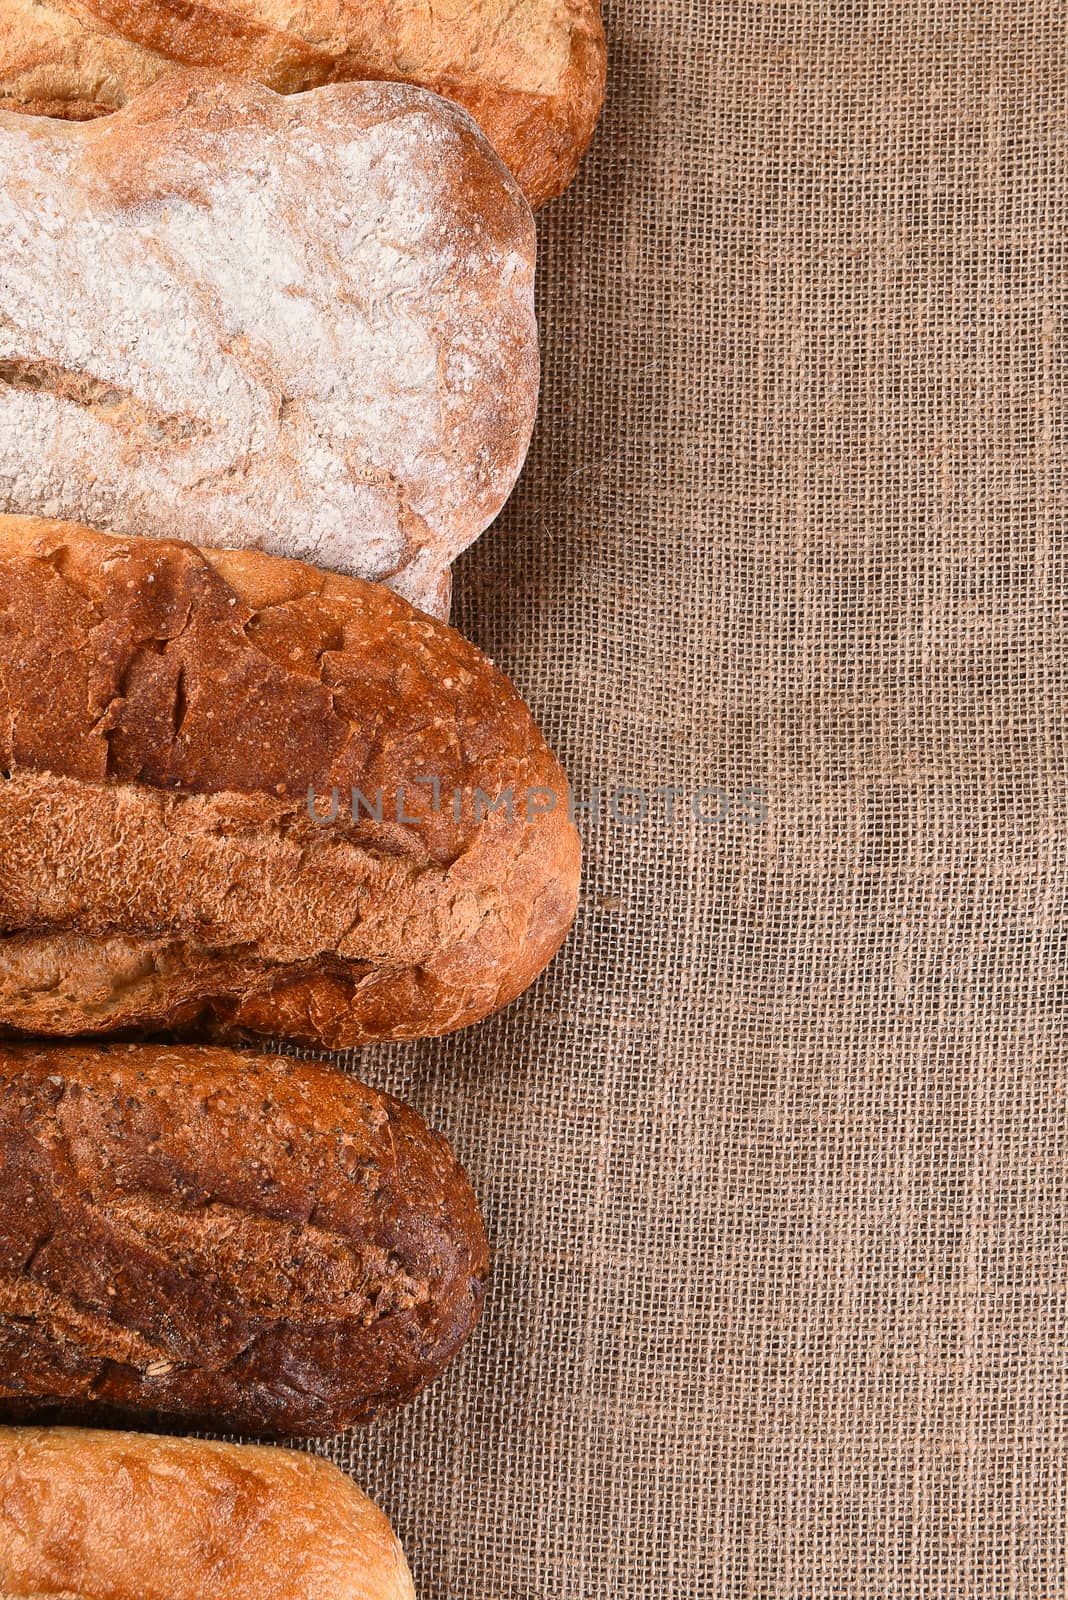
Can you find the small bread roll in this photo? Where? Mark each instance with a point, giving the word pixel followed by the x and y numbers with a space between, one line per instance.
pixel 127 1516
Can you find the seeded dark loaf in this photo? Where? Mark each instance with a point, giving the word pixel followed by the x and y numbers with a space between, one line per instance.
pixel 164 714
pixel 530 72
pixel 88 1515
pixel 201 1237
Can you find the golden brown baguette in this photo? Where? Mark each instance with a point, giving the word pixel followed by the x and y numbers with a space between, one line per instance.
pixel 89 1515
pixel 530 72
pixel 197 1237
pixel 165 713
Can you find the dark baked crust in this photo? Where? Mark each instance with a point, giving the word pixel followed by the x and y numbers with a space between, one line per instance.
pixel 196 1236
pixel 532 76
pixel 164 713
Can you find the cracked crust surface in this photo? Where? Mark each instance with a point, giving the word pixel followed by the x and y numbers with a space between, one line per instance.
pixel 302 325
pixel 87 1514
pixel 530 72
pixel 164 714
pixel 224 1241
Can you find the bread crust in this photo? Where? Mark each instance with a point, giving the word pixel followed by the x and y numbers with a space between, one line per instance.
pixel 531 73
pixel 84 1514
pixel 301 324
pixel 197 1237
pixel 165 714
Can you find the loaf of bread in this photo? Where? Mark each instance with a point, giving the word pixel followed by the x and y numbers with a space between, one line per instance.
pixel 531 72
pixel 125 1516
pixel 302 325
pixel 197 1237
pixel 165 714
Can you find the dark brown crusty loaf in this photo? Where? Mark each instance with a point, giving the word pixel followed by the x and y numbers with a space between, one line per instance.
pixel 530 72
pixel 165 713
pixel 202 1237
pixel 87 1515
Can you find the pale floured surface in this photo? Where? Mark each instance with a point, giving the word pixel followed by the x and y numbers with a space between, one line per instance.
pixel 304 325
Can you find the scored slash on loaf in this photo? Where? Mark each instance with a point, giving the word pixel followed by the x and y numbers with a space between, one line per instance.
pixel 531 72
pixel 299 324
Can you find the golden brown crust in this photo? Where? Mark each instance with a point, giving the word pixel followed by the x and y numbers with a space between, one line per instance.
pixel 58 61
pixel 531 73
pixel 216 1240
pixel 165 713
pixel 88 1514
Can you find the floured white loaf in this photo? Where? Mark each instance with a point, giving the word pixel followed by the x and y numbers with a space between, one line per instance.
pixel 303 324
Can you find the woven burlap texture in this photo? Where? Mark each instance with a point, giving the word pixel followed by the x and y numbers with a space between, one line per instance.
pixel 774 1156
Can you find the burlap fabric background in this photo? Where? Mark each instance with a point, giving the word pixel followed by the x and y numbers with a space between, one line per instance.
pixel 774 1157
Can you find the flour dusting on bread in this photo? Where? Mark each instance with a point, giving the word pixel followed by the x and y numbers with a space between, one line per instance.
pixel 303 325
